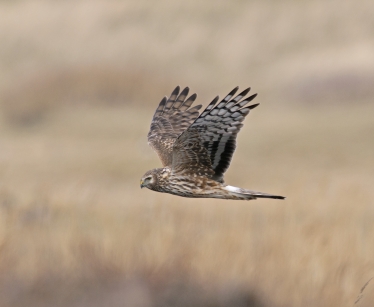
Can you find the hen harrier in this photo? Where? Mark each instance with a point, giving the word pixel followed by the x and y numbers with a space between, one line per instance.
pixel 196 150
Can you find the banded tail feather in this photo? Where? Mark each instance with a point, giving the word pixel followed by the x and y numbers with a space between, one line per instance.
pixel 248 195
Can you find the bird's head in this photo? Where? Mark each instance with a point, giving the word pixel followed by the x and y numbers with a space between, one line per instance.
pixel 149 180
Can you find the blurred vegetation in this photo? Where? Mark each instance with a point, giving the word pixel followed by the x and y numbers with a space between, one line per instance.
pixel 79 82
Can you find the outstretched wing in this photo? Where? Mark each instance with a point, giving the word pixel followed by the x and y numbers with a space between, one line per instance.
pixel 207 146
pixel 172 117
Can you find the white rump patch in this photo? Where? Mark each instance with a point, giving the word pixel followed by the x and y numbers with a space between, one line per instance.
pixel 232 189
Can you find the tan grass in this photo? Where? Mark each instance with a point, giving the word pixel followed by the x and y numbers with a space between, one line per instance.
pixel 72 207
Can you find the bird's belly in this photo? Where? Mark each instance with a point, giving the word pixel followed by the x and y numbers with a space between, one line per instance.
pixel 195 187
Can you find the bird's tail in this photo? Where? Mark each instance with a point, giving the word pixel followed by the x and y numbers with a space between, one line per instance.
pixel 239 193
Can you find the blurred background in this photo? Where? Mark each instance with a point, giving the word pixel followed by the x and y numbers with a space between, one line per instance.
pixel 79 83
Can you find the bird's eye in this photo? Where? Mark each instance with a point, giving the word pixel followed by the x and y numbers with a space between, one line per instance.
pixel 148 179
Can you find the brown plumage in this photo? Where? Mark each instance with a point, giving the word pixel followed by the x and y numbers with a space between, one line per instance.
pixel 196 150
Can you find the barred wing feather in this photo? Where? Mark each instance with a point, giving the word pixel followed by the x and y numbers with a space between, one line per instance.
pixel 213 134
pixel 172 117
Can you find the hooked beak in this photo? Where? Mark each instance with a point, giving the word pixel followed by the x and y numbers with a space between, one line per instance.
pixel 141 184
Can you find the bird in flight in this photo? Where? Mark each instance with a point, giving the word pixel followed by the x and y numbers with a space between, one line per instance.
pixel 196 150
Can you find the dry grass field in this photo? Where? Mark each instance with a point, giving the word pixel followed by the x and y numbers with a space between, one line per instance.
pixel 79 81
